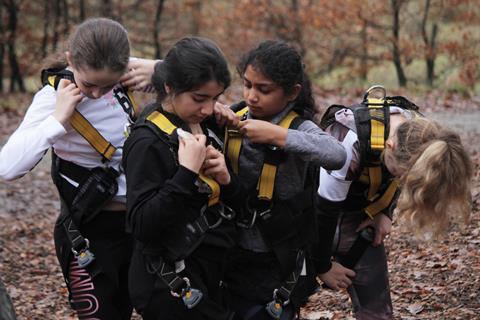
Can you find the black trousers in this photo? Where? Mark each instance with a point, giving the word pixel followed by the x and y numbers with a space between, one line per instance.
pixel 250 280
pixel 101 290
pixel 370 289
pixel 204 268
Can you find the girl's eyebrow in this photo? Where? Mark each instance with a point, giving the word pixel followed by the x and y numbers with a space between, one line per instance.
pixel 260 83
pixel 204 95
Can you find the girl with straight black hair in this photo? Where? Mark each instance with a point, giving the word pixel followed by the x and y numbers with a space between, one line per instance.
pixel 177 181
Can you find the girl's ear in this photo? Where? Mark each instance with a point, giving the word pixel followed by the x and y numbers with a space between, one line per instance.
pixel 167 88
pixel 68 56
pixel 295 92
pixel 389 144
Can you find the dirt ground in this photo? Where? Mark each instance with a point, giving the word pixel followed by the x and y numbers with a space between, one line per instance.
pixel 438 280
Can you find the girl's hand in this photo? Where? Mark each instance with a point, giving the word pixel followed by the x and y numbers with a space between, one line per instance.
pixel 192 151
pixel 215 167
pixel 224 115
pixel 68 97
pixel 382 225
pixel 139 76
pixel 264 132
pixel 337 277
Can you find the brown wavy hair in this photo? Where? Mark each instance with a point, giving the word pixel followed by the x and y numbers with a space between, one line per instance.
pixel 435 189
pixel 96 43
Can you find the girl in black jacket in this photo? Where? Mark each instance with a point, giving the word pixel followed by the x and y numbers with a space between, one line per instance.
pixel 174 173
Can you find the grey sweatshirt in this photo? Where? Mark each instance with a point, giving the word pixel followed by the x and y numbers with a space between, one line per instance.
pixel 306 144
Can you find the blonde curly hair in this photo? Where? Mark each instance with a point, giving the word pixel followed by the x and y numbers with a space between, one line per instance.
pixel 435 188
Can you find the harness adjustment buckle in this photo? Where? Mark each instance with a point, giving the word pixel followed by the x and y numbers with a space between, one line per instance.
pixel 190 296
pixel 275 307
pixel 84 256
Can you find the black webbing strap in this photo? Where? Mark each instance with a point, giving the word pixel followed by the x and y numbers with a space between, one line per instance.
pixel 363 241
pixel 179 287
pixel 80 245
pixel 281 296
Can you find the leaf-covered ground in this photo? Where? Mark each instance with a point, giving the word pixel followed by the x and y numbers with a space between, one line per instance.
pixel 438 280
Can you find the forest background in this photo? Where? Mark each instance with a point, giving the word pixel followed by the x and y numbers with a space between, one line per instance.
pixel 427 50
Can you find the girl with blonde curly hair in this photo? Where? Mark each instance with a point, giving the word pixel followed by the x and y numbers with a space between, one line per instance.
pixel 433 171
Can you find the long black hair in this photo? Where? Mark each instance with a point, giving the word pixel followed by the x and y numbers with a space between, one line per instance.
pixel 190 63
pixel 282 64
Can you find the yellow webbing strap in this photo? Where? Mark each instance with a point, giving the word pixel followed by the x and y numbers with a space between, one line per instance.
pixel 88 131
pixel 377 141
pixel 233 143
pixel 214 197
pixel 383 202
pixel 377 128
pixel 135 106
pixel 266 182
pixel 162 122
pixel 375 180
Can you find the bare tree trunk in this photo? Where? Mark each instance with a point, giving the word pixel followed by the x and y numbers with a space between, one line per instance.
pixel 2 45
pixel 56 23
pixel 196 17
pixel 430 45
pixel 107 8
pixel 81 5
pixel 66 18
pixel 396 6
pixel 297 29
pixel 46 19
pixel 156 29
pixel 6 309
pixel 16 79
pixel 364 53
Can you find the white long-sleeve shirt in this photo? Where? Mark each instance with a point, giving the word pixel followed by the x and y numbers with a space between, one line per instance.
pixel 39 131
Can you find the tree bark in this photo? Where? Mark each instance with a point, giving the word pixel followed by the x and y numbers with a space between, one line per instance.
pixel 46 20
pixel 56 23
pixel 66 18
pixel 196 7
pixel 2 45
pixel 297 28
pixel 396 6
pixel 16 79
pixel 430 45
pixel 81 7
pixel 156 29
pixel 364 53
pixel 107 8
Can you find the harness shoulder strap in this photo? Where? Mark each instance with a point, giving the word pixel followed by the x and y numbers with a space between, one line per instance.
pixel 266 183
pixel 233 141
pixel 166 126
pixel 79 122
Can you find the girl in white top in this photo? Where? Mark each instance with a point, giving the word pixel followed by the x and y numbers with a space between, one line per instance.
pixel 97 56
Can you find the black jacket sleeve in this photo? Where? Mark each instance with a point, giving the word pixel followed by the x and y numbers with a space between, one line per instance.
pixel 327 217
pixel 159 192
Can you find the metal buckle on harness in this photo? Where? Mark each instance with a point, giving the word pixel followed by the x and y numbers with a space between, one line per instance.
pixel 275 307
pixel 190 296
pixel 212 211
pixel 375 88
pixel 248 223
pixel 233 132
pixel 226 212
pixel 85 256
